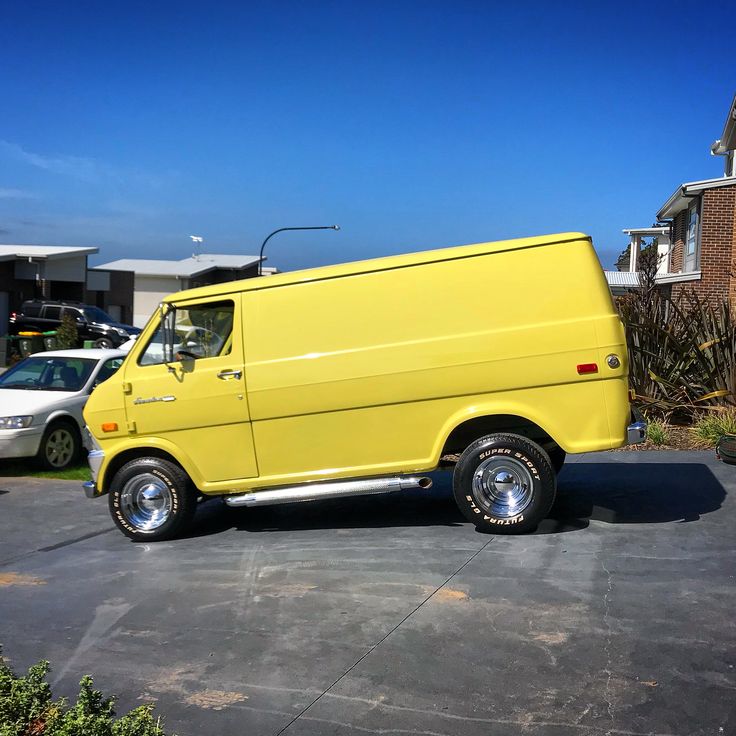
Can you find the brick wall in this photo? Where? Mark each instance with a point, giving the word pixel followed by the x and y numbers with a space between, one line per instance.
pixel 717 245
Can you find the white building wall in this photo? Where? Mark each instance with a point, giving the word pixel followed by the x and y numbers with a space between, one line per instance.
pixel 149 291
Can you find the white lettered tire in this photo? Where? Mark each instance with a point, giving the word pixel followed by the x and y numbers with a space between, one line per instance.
pixel 504 483
pixel 152 499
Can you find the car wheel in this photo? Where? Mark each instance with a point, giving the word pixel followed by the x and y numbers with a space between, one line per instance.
pixel 152 499
pixel 504 483
pixel 60 446
pixel 103 342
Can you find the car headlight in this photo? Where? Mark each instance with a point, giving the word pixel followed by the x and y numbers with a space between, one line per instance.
pixel 122 333
pixel 15 422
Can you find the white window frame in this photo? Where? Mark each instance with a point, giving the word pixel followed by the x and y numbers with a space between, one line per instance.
pixel 691 260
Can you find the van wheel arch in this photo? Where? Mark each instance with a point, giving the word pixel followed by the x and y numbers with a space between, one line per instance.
pixel 467 432
pixel 134 454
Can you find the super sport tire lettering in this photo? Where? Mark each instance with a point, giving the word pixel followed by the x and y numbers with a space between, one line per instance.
pixel 520 451
pixel 182 497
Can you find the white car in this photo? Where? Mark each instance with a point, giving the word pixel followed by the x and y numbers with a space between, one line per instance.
pixel 41 402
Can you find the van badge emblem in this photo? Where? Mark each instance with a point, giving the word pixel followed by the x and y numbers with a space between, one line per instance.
pixel 154 399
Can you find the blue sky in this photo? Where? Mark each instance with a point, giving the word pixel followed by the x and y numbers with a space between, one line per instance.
pixel 130 126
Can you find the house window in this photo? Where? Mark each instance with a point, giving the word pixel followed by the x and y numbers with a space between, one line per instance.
pixel 692 244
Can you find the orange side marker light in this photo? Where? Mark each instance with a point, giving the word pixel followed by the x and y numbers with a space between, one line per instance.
pixel 110 427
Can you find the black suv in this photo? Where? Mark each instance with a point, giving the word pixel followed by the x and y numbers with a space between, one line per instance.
pixel 92 323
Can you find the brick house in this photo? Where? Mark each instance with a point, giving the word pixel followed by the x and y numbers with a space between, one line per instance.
pixel 697 229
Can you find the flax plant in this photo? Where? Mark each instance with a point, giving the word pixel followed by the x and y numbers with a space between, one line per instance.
pixel 682 354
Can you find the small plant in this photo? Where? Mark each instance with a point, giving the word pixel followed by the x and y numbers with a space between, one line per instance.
pixel 67 335
pixel 27 709
pixel 658 432
pixel 710 427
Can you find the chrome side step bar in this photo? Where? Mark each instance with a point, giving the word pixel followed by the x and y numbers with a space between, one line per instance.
pixel 315 491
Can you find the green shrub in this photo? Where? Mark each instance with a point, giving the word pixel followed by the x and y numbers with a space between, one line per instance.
pixel 713 425
pixel 67 336
pixel 658 432
pixel 27 709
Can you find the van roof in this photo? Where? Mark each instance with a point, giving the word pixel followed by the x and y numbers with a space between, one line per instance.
pixel 374 264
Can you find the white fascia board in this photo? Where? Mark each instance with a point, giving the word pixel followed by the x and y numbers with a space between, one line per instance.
pixel 682 196
pixel 43 252
pixel 727 141
pixel 674 278
pixel 646 230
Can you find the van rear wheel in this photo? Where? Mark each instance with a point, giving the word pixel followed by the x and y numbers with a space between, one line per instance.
pixel 152 499
pixel 504 483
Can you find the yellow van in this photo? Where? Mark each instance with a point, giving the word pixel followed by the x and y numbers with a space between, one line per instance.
pixel 353 379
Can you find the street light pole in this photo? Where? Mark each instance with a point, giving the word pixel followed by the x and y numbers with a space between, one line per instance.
pixel 280 230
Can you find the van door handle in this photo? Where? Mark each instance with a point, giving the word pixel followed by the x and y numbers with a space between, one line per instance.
pixel 230 374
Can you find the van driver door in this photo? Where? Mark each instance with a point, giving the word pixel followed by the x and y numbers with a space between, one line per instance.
pixel 187 387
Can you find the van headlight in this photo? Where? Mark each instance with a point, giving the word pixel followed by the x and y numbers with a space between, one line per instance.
pixel 18 422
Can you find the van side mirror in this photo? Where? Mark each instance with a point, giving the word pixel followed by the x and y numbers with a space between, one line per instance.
pixel 185 356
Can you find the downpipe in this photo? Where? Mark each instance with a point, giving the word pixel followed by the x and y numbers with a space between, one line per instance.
pixel 316 491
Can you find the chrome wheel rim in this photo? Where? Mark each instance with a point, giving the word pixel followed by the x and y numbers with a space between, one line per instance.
pixel 59 448
pixel 502 486
pixel 146 502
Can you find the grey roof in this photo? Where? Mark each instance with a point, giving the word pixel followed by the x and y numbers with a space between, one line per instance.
pixel 185 268
pixel 44 252
pixel 625 279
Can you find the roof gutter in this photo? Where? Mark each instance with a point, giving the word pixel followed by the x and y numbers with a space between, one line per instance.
pixel 681 192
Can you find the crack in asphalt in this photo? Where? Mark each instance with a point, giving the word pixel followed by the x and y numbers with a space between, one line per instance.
pixel 383 639
pixel 58 545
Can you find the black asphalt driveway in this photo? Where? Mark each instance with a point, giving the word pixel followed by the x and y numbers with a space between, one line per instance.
pixel 391 614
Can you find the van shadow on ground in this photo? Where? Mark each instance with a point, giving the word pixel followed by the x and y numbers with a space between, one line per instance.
pixel 632 493
pixel 613 493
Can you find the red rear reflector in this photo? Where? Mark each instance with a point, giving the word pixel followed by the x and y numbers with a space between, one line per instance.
pixel 110 427
pixel 584 368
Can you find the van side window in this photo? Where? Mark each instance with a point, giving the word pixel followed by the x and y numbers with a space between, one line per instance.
pixel 201 330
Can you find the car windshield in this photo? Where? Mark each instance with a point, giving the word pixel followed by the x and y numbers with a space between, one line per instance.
pixel 95 314
pixel 48 374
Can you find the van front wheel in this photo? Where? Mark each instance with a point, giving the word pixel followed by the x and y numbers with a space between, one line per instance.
pixel 152 499
pixel 504 483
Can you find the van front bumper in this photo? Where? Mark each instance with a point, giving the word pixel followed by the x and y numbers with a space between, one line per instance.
pixel 95 458
pixel 636 432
